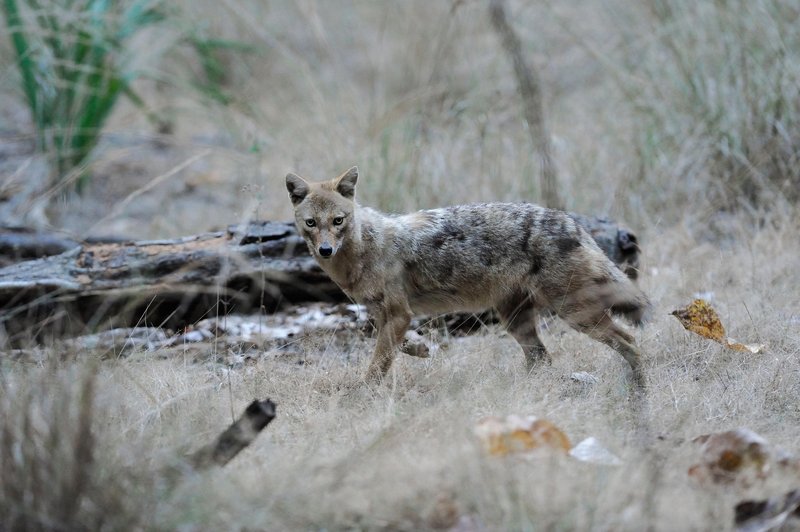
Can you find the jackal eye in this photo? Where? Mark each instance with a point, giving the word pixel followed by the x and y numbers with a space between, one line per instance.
pixel 310 222
pixel 339 220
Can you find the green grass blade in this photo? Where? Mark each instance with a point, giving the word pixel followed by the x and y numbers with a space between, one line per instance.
pixel 23 50
pixel 51 32
pixel 75 75
pixel 72 68
pixel 139 15
pixel 94 114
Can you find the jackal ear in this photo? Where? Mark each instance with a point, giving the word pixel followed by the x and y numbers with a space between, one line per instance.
pixel 298 188
pixel 346 183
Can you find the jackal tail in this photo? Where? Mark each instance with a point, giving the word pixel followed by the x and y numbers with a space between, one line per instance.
pixel 628 301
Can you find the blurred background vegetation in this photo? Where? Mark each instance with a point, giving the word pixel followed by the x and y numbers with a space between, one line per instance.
pixel 661 112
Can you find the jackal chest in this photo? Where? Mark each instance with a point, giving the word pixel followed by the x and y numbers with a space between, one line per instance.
pixel 355 281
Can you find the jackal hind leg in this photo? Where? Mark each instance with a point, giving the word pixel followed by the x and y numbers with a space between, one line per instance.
pixel 598 325
pixel 392 323
pixel 520 317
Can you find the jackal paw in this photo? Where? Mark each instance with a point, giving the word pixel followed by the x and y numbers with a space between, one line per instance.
pixel 415 345
pixel 537 357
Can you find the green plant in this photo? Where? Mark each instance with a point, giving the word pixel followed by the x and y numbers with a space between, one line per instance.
pixel 215 72
pixel 74 62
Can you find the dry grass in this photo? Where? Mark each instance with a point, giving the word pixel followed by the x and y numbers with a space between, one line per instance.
pixel 419 95
pixel 402 455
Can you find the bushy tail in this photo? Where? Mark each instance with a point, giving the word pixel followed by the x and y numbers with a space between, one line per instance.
pixel 627 300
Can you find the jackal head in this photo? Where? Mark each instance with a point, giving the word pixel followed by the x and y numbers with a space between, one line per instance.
pixel 324 211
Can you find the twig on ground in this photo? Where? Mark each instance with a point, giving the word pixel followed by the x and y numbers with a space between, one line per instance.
pixel 236 437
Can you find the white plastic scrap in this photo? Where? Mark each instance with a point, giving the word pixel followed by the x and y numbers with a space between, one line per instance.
pixel 592 451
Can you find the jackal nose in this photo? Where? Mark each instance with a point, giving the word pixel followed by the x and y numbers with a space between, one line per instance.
pixel 325 250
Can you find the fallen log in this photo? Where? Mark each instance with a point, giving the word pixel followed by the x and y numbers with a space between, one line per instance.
pixel 255 267
pixel 166 283
pixel 18 244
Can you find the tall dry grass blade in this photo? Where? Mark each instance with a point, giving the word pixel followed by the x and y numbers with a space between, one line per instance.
pixel 49 475
pixel 530 88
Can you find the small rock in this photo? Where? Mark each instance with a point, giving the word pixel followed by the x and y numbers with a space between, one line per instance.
pixel 584 377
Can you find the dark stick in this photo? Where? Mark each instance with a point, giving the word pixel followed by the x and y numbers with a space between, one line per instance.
pixel 236 437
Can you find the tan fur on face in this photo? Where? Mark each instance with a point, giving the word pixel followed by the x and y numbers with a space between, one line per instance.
pixel 322 203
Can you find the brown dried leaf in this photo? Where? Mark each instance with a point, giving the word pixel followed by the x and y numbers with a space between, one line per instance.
pixel 738 455
pixel 701 318
pixel 516 434
pixel 746 348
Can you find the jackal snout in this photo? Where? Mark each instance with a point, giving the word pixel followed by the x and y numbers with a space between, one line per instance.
pixel 328 245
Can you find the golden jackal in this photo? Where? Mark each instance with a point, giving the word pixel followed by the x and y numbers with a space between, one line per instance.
pixel 518 258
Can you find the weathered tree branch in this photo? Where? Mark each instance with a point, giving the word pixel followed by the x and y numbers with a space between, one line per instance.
pixel 19 243
pixel 167 283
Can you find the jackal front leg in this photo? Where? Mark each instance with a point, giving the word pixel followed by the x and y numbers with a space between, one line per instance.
pixel 393 322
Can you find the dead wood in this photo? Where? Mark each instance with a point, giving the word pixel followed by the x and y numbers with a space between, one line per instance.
pixel 236 437
pixel 256 267
pixel 18 244
pixel 166 283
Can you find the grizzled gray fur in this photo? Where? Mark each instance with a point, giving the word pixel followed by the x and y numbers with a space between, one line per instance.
pixel 518 258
